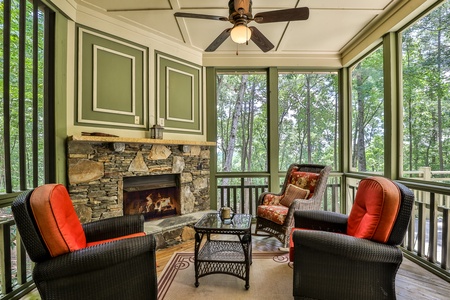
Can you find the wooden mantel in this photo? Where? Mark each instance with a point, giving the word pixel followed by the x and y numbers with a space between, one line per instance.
pixel 108 139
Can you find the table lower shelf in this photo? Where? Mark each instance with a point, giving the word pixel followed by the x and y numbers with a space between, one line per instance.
pixel 226 251
pixel 225 257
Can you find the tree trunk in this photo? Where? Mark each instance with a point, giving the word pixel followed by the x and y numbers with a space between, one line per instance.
pixel 234 124
pixel 361 148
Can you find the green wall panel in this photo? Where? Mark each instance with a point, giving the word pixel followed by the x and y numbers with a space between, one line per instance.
pixel 112 81
pixel 115 89
pixel 179 99
pixel 180 90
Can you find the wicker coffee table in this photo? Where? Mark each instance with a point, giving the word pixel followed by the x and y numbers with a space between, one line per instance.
pixel 226 256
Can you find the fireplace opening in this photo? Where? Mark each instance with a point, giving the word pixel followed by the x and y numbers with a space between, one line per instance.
pixel 154 196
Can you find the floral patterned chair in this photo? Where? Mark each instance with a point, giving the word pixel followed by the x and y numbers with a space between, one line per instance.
pixel 303 189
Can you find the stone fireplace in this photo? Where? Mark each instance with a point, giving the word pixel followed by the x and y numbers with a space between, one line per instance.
pixel 104 172
pixel 154 196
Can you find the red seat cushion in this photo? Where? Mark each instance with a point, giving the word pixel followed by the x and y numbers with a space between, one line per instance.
pixel 291 244
pixel 116 239
pixel 375 210
pixel 56 219
pixel 274 213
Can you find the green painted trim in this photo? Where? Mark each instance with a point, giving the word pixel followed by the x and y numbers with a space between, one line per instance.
pixel 392 119
pixel 211 133
pixel 345 130
pixel 273 137
pixel 61 72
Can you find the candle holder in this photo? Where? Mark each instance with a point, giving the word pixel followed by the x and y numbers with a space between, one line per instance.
pixel 226 214
pixel 156 132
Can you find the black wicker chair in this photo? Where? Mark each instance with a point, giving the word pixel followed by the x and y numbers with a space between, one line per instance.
pixel 282 230
pixel 331 264
pixel 119 268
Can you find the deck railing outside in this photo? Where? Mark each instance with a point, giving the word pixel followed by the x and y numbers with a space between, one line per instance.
pixel 428 236
pixel 15 277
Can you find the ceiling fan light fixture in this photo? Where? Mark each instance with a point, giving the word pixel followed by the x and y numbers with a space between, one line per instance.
pixel 240 34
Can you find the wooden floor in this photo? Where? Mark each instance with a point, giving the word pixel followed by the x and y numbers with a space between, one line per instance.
pixel 412 281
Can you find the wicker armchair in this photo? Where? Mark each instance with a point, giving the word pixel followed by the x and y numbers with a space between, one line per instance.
pixel 107 259
pixel 355 256
pixel 275 212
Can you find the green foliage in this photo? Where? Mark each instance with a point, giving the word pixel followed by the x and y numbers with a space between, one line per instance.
pixel 31 102
pixel 307 122
pixel 367 113
pixel 426 99
pixel 242 122
pixel 307 118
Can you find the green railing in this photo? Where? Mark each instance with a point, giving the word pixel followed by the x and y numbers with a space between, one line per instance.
pixel 16 267
pixel 428 236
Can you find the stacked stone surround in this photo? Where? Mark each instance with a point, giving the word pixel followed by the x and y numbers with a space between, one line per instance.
pixel 96 171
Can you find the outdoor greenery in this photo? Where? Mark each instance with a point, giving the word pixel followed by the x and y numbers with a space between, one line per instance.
pixel 304 134
pixel 308 111
pixel 426 93
pixel 21 109
pixel 367 92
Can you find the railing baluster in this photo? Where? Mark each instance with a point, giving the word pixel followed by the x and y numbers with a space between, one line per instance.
pixel 432 242
pixel 242 200
pixel 222 196
pixel 250 200
pixel 411 230
pixel 235 196
pixel 445 263
pixel 21 260
pixel 325 200
pixel 421 229
pixel 5 257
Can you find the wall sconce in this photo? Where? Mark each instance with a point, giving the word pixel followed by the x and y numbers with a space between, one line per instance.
pixel 185 148
pixel 240 34
pixel 156 132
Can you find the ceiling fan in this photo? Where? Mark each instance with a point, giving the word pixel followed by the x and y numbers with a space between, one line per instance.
pixel 240 15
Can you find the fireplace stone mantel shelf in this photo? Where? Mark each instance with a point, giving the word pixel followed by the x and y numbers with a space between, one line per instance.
pixel 108 139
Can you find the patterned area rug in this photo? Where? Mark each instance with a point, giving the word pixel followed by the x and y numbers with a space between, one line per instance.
pixel 271 277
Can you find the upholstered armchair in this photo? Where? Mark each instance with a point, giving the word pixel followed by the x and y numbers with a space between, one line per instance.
pixel 106 259
pixel 353 256
pixel 303 189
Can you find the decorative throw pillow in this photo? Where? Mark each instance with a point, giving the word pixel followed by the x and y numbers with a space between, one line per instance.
pixel 293 192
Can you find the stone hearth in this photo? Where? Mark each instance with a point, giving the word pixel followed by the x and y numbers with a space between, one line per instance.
pixel 96 171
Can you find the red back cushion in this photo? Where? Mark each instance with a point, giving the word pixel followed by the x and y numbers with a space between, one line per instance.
pixel 56 219
pixel 304 180
pixel 375 210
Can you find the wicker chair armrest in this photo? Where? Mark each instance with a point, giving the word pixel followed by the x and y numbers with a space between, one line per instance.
pixel 347 247
pixel 321 220
pixel 113 227
pixel 301 204
pixel 98 257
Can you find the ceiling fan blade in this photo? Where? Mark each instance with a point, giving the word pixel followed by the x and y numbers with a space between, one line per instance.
pixel 200 16
pixel 219 40
pixel 260 40
pixel 291 14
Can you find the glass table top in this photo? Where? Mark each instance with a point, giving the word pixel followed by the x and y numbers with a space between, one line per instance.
pixel 213 221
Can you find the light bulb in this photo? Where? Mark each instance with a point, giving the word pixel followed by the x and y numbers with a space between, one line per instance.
pixel 240 34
